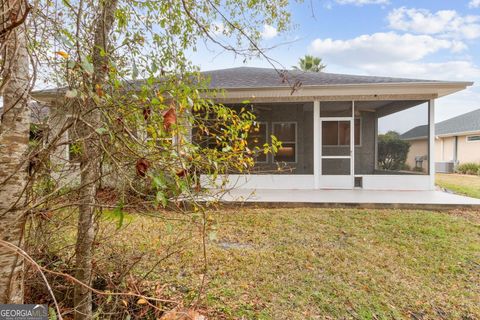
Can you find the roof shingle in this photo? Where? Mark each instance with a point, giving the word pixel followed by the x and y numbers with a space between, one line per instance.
pixel 466 122
pixel 249 77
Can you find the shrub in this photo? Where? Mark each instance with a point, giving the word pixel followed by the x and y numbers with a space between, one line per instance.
pixel 392 151
pixel 469 168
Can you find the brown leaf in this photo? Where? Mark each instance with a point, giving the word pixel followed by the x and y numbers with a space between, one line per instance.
pixel 182 173
pixel 147 112
pixel 169 118
pixel 98 89
pixel 142 167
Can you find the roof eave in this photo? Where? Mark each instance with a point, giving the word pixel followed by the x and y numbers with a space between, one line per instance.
pixel 460 133
pixel 441 84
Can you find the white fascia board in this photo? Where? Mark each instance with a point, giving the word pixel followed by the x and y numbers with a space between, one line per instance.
pixel 418 88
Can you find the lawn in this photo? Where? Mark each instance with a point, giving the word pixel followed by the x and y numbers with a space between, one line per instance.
pixel 307 263
pixel 468 185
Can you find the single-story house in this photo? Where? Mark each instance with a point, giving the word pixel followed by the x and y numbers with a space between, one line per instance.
pixel 328 124
pixel 457 140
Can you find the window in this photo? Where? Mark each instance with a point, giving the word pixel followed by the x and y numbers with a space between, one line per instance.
pixel 257 137
pixel 473 138
pixel 337 133
pixel 286 132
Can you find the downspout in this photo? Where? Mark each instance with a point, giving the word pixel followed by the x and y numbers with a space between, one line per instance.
pixel 455 153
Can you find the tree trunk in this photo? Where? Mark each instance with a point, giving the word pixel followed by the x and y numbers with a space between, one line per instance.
pixel 90 166
pixel 14 134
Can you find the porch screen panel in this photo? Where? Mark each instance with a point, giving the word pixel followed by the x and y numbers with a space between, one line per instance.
pixel 336 137
pixel 403 138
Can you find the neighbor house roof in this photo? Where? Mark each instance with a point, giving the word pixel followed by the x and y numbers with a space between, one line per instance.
pixel 268 84
pixel 465 123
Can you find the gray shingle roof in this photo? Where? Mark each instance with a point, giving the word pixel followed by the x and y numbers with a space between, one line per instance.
pixel 249 77
pixel 466 122
pixel 419 132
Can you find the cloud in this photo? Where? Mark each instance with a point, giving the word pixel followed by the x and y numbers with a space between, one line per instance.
pixel 457 70
pixel 381 48
pixel 474 4
pixel 269 32
pixel 445 23
pixel 362 2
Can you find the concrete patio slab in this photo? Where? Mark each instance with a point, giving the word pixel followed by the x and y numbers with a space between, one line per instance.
pixel 435 200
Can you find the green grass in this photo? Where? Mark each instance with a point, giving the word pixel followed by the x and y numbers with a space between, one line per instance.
pixel 309 263
pixel 468 185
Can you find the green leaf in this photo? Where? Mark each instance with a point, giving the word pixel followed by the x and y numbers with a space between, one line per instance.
pixel 52 315
pixel 159 182
pixel 119 214
pixel 87 66
pixel 246 102
pixel 190 102
pixel 134 71
pixel 161 198
pixel 101 130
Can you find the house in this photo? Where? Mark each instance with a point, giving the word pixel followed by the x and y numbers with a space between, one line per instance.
pixel 457 140
pixel 328 124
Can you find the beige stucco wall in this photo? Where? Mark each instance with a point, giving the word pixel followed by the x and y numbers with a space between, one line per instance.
pixel 418 148
pixel 445 150
pixel 468 151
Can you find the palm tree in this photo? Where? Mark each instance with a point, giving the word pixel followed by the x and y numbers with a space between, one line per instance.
pixel 310 64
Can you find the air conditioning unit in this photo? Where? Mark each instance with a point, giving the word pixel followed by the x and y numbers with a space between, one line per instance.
pixel 445 167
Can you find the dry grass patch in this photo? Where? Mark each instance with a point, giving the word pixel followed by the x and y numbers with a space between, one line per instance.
pixel 468 185
pixel 308 263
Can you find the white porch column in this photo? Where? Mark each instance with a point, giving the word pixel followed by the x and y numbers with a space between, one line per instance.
pixel 316 143
pixel 431 143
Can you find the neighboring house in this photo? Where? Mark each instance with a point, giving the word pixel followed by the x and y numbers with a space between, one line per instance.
pixel 457 140
pixel 328 125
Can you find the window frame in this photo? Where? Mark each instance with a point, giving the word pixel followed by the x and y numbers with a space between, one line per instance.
pixel 290 142
pixel 266 140
pixel 338 133
pixel 467 138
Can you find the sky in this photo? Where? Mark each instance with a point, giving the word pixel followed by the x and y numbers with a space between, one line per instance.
pixel 422 39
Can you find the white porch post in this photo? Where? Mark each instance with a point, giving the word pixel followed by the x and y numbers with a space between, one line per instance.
pixel 431 143
pixel 316 143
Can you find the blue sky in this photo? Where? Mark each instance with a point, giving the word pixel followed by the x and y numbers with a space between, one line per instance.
pixel 417 39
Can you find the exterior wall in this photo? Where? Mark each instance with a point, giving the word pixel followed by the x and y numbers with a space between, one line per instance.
pixel 468 151
pixel 62 170
pixel 418 148
pixel 445 149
